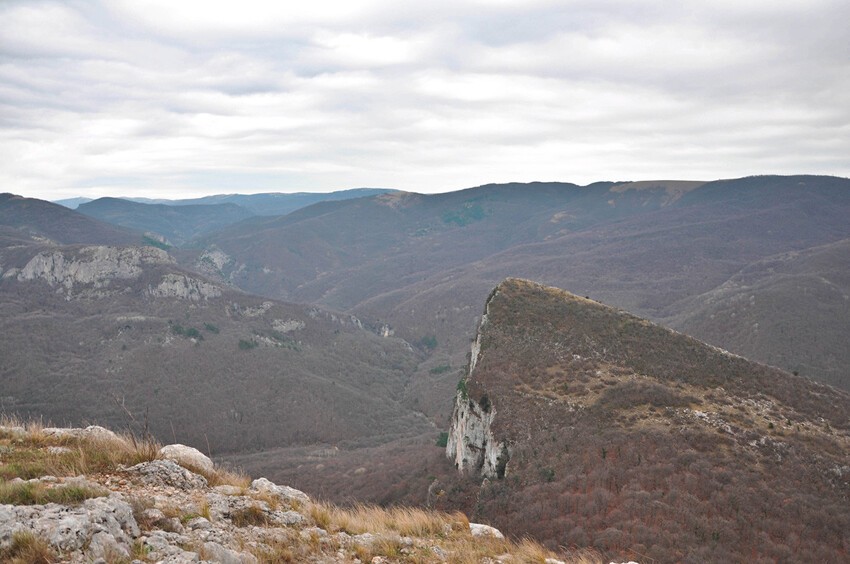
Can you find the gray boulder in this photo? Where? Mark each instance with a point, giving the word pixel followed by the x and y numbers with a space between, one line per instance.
pixel 285 493
pixel 187 456
pixel 167 473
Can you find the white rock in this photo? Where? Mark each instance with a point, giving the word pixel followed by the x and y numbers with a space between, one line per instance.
pixel 167 473
pixel 479 530
pixel 286 493
pixel 90 432
pixel 184 287
pixel 218 553
pixel 187 456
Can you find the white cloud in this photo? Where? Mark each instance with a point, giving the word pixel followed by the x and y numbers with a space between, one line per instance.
pixel 158 98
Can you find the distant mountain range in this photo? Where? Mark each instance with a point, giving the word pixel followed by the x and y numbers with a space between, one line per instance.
pixel 674 252
pixel 171 225
pixel 269 203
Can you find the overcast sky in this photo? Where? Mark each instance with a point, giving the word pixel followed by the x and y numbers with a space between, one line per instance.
pixel 166 98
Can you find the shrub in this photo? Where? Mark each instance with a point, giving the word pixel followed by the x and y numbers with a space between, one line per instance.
pixel 461 387
pixel 248 344
pixel 428 342
pixel 443 440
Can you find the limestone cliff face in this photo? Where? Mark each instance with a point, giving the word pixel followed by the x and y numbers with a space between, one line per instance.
pixel 471 444
pixel 95 266
pixel 101 271
pixel 184 287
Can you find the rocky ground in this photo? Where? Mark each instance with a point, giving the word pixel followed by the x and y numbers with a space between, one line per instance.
pixel 177 507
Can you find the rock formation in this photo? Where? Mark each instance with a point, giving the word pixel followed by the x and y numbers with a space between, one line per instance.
pixel 159 511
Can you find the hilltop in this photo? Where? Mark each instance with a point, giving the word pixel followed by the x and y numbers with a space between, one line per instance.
pixel 594 427
pixel 29 221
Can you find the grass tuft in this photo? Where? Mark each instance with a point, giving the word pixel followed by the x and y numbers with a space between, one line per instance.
pixel 27 548
pixel 36 493
pixel 252 515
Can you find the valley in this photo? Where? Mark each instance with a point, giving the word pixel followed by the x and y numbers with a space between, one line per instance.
pixel 329 348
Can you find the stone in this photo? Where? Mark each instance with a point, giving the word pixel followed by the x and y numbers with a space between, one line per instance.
pixel 105 522
pixel 227 489
pixel 167 473
pixel 188 456
pixel 287 518
pixel 199 524
pixel 90 432
pixel 217 553
pixel 440 553
pixel 479 530
pixel 285 493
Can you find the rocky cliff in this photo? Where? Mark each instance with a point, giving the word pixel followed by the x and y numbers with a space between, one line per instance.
pixel 99 271
pixel 471 445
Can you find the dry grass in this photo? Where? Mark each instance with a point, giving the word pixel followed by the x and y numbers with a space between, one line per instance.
pixel 28 456
pixel 36 493
pixel 224 477
pixel 406 521
pixel 27 548
pixel 250 515
pixel 448 531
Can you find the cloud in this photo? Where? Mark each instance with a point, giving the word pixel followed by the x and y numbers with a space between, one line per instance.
pixel 156 98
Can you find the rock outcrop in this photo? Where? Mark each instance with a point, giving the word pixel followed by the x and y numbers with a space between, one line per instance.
pixel 90 266
pixel 472 446
pixel 160 511
pixel 187 456
pixel 174 285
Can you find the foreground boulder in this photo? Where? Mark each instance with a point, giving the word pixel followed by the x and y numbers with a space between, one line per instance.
pixel 187 456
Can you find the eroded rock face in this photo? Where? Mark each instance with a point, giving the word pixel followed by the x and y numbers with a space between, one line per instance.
pixel 184 287
pixel 100 524
pixel 471 444
pixel 93 266
pixel 167 473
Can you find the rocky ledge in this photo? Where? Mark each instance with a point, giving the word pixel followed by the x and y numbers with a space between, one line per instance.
pixel 177 507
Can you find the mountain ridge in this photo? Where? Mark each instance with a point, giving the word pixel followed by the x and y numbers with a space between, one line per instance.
pixel 591 425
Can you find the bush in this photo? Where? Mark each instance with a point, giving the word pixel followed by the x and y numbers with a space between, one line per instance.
pixel 461 387
pixel 443 440
pixel 247 345
pixel 428 342
pixel 190 332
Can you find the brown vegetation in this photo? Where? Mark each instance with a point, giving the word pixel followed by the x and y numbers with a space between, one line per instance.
pixel 646 444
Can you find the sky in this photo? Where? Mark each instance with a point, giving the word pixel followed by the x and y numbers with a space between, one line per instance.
pixel 158 98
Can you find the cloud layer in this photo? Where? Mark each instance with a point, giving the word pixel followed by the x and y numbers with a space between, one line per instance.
pixel 163 98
